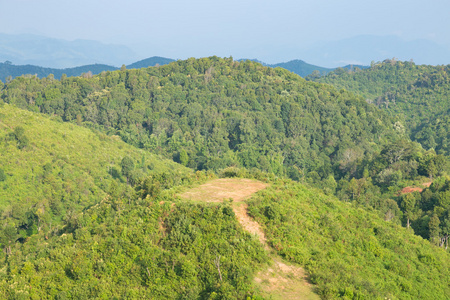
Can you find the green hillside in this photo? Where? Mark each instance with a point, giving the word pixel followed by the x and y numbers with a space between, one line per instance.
pixel 152 244
pixel 351 253
pixel 416 94
pixel 212 113
pixel 50 169
pixel 87 211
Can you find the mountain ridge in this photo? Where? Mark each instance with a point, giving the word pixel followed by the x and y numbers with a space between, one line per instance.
pixel 7 68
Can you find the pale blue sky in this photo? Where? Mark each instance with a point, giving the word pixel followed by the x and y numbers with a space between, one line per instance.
pixel 268 30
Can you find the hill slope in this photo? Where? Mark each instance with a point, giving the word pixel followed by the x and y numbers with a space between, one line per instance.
pixel 52 169
pixel 150 62
pixel 152 244
pixel 212 113
pixel 7 69
pixel 417 94
pixel 350 253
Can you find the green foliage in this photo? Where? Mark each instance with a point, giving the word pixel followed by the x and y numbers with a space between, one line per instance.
pixel 349 252
pixel 2 175
pixel 415 94
pixel 429 211
pixel 127 166
pixel 151 247
pixel 212 113
pixel 62 170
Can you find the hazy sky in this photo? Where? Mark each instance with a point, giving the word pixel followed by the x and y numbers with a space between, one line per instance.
pixel 244 28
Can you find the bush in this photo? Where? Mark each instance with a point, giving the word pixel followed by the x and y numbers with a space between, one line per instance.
pixel 2 175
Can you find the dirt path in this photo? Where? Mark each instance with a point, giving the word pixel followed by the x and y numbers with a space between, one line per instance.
pixel 248 223
pixel 283 281
pixel 280 280
pixel 231 188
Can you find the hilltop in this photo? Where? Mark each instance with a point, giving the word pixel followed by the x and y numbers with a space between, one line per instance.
pixel 8 69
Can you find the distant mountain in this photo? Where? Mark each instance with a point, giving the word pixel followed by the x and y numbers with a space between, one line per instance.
pixel 8 69
pixel 150 62
pixel 301 68
pixel 57 53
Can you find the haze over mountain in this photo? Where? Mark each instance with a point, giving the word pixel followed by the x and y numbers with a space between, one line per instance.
pixel 7 69
pixel 48 52
pixel 359 50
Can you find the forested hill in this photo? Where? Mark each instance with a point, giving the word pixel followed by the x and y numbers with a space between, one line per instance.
pixel 149 243
pixel 418 94
pixel 150 62
pixel 212 113
pixel 7 69
pixel 84 215
pixel 49 169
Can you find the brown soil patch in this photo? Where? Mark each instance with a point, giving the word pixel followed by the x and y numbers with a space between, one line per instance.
pixel 410 189
pixel 223 189
pixel 427 184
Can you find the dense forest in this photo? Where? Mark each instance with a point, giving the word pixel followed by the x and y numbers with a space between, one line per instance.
pixel 418 95
pixel 94 163
pixel 212 113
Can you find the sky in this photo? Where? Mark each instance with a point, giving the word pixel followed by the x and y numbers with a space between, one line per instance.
pixel 272 31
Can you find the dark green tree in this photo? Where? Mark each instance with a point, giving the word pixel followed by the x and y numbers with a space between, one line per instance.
pixel 127 165
pixel 2 175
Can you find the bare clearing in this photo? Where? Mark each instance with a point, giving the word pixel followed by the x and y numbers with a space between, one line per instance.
pixel 223 189
pixel 410 189
pixel 279 280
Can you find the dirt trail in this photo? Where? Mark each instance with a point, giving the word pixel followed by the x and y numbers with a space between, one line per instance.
pixel 278 281
pixel 248 223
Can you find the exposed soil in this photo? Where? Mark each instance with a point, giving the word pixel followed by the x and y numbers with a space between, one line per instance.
pixel 279 280
pixel 248 223
pixel 223 189
pixel 410 189
pixel 236 189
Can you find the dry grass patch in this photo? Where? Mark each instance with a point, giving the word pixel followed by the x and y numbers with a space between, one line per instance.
pixel 218 190
pixel 284 282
